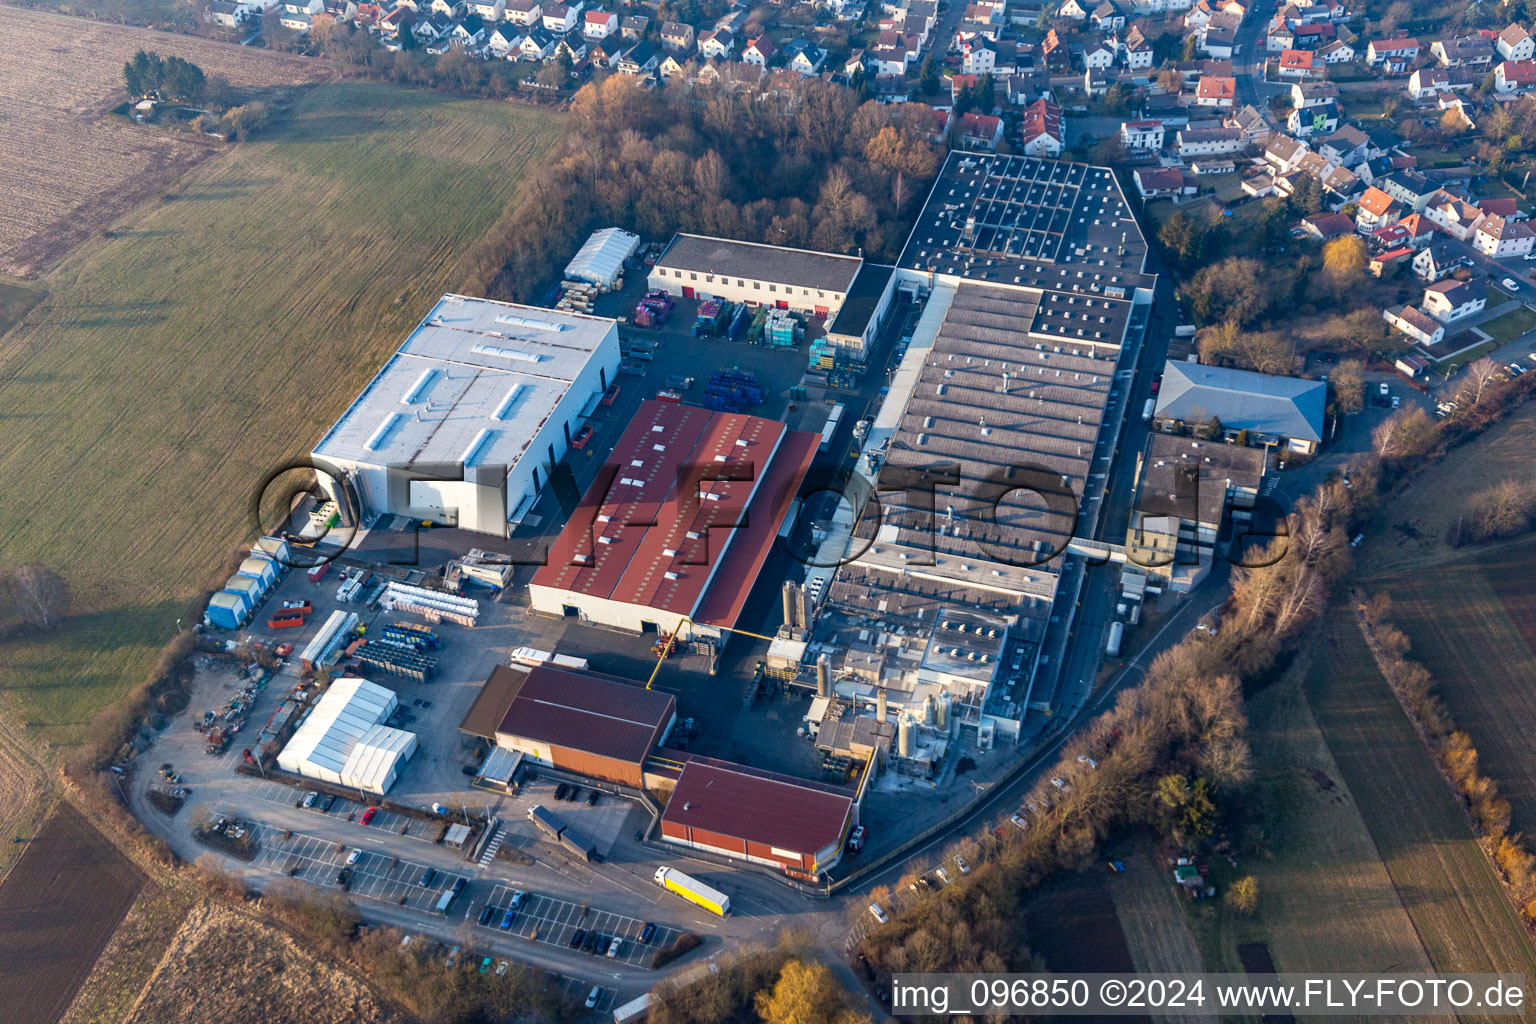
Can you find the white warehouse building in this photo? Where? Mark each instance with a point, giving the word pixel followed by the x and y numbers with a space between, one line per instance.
pixel 465 422
pixel 343 741
pixel 698 266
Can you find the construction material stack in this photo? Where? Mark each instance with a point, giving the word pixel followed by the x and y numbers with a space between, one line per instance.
pixel 755 331
pixel 739 322
pixel 577 296
pixel 732 390
pixel 822 357
pixel 432 605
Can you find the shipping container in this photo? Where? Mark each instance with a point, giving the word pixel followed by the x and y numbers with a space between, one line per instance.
pixel 291 623
pixel 227 609
pixel 633 1011
pixel 577 843
pixel 693 890
pixel 263 569
pixel 550 824
pixel 317 573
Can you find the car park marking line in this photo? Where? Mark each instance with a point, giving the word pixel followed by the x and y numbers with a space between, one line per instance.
pixel 375 875
pixel 556 920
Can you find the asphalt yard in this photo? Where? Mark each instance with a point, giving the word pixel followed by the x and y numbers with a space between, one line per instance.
pixel 383 821
pixel 554 921
pixel 375 875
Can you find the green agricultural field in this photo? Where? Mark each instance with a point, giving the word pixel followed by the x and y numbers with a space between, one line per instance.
pixel 1443 878
pixel 215 337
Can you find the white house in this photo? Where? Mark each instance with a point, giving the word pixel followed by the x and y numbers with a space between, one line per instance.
pixel 1514 76
pixel 718 44
pixel 1142 136
pixel 808 59
pixel 1503 236
pixel 1098 57
pixel 562 18
pixel 525 13
pixel 1041 133
pixel 760 51
pixel 229 15
pixel 1336 52
pixel 1515 43
pixel 1393 55
pixel 599 24
pixel 979 57
pixel 1415 323
pixel 1450 300
pixel 538 44
pixel 1193 142
pixel 490 10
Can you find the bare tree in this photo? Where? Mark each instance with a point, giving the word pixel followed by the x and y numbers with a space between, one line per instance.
pixel 1481 376
pixel 39 596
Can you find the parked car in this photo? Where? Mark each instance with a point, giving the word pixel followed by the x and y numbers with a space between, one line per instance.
pixel 960 863
pixel 593 996
pixel 574 794
pixel 501 967
pixel 592 798
pixel 507 919
pixel 353 857
pixel 1511 284
pixel 856 838
pixel 560 791
pixel 485 965
pixel 1383 389
pixel 486 912
pixel 1085 759
pixel 879 914
pixel 517 898
pixel 427 876
pixel 1019 822
pixel 469 769
pixel 578 938
pixel 310 798
pixel 615 948
pixel 344 877
pixel 647 933
pixel 368 815
pixel 943 875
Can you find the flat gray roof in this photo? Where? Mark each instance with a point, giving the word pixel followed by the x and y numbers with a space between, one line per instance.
pixel 1243 400
pixel 473 383
pixel 1180 475
pixel 751 261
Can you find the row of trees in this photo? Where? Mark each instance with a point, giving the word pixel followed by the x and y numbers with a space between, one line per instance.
pixel 171 78
pixel 782 984
pixel 1416 690
pixel 811 167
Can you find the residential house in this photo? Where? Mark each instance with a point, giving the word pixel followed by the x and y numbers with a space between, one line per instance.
pixel 573 47
pixel 670 66
pixel 808 58
pixel 1346 147
pixel 1157 182
pixel 1252 123
pixel 979 56
pixel 1098 57
pixel 1073 10
pixel 225 14
pixel 1500 236
pixel 1219 39
pixel 538 44
pixel 447 8
pixel 1193 142
pixel 1436 260
pixel 980 131
pixel 1107 16
pixel 632 27
pixel 1095 82
pixel 720 44
pixel 1323 226
pixel 1306 122
pixel 1513 76
pixel 1409 187
pixel 1313 94
pixel 1431 83
pixel 1142 137
pixel 1259 186
pixel 599 24
pixel 1415 323
pixel 1376 208
pixel 1136 50
pixel 295 22
pixel 1216 91
pixel 857 64
pixel 639 60
pixel 1281 37
pixel 1336 52
pixel 1448 301
pixel 1462 51
pixel 488 11
pixel 1299 64
pixel 676 37
pixel 1515 43
pixel 1453 215
pixel 1042 131
pixel 1284 153
pixel 560 19
pixel 505 41
pixel 760 51
pixel 525 13
pixel 1392 55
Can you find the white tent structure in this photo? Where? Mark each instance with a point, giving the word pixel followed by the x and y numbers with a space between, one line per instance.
pixel 343 742
pixel 601 260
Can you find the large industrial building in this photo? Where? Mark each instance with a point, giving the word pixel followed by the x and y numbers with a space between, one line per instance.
pixel 671 534
pixel 698 266
pixel 758 816
pixel 343 740
pixel 1185 489
pixel 464 424
pixel 994 432
pixel 580 722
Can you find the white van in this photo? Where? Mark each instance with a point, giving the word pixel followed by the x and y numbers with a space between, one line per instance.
pixel 593 996
pixel 880 915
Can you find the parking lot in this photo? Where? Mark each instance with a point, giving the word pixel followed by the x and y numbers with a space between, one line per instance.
pixel 344 809
pixel 554 921
pixel 375 875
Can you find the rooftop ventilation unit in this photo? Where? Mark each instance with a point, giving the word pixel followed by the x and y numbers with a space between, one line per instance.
pixel 482 439
pixel 506 353
pixel 504 410
pixel 420 387
pixel 531 323
pixel 377 439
